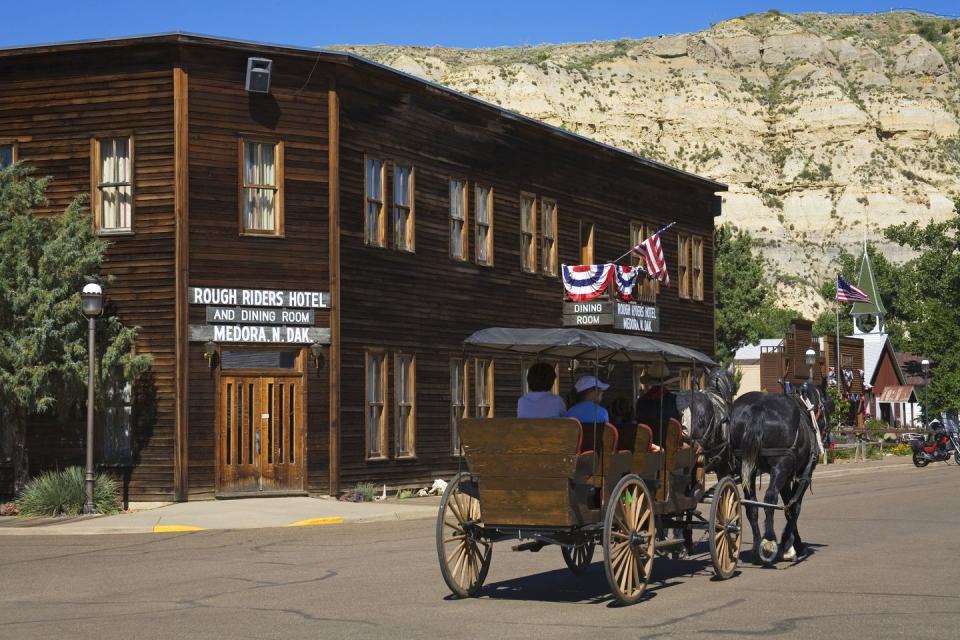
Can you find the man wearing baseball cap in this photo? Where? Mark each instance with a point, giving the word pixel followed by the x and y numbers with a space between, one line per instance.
pixel 587 408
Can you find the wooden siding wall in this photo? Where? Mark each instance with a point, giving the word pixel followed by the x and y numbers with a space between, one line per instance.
pixel 851 348
pixel 53 104
pixel 220 110
pixel 427 303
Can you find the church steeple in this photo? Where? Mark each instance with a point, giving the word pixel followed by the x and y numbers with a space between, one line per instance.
pixel 867 313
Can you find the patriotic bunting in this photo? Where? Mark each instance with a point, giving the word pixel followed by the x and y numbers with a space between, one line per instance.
pixel 625 280
pixel 586 281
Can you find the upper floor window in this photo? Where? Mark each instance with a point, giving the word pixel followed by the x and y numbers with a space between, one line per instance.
pixel 484 224
pixel 405 406
pixel 375 397
pixel 459 404
pixel 483 388
pixel 458 219
pixel 586 243
pixel 403 212
pixel 647 288
pixel 696 259
pixel 683 266
pixel 528 233
pixel 686 380
pixel 113 181
pixel 8 154
pixel 375 226
pixel 548 257
pixel 261 188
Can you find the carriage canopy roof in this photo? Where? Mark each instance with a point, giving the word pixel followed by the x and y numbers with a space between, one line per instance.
pixel 579 343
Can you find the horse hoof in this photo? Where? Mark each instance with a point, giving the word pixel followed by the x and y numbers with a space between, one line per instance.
pixel 768 551
pixel 790 555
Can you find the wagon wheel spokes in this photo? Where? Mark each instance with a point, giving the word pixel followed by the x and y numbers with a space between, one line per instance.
pixel 463 553
pixel 629 538
pixel 578 557
pixel 725 529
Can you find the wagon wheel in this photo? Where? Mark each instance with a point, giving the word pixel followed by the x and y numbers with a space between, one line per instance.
pixel 463 553
pixel 578 558
pixel 726 520
pixel 629 535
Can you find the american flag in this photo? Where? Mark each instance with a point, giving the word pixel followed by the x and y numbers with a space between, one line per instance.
pixel 846 292
pixel 651 251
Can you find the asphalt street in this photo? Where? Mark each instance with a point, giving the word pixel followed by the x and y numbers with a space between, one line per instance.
pixel 883 563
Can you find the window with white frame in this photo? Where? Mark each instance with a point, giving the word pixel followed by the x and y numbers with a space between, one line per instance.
pixel 261 188
pixel 548 257
pixel 403 211
pixel 459 405
pixel 458 219
pixel 483 388
pixel 405 404
pixel 484 224
pixel 113 180
pixel 528 233
pixel 376 422
pixel 375 228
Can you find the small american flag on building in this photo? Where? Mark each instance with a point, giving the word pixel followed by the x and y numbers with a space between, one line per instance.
pixel 651 251
pixel 846 292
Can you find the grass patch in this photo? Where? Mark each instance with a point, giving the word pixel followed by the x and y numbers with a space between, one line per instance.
pixel 61 493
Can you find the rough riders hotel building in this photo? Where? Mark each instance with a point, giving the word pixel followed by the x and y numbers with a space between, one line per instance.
pixel 305 237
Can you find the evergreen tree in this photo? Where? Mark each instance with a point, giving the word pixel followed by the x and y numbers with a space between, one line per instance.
pixel 44 264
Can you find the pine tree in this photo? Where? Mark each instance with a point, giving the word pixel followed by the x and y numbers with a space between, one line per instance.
pixel 44 263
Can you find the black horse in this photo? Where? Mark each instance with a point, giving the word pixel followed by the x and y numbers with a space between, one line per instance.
pixel 777 434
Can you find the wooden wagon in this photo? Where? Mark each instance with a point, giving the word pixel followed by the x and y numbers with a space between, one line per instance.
pixel 543 482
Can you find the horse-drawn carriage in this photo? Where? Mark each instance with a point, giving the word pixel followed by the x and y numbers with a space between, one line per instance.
pixel 634 489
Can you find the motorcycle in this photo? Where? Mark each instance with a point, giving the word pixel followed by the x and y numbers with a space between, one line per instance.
pixel 945 444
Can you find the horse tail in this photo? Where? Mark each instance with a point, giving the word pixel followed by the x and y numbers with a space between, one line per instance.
pixel 752 434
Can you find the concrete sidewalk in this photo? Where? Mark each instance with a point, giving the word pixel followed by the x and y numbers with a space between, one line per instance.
pixel 258 513
pixel 246 513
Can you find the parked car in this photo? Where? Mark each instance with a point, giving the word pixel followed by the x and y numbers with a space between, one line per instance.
pixel 910 436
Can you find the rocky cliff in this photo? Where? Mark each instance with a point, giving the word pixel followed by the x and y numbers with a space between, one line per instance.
pixel 826 127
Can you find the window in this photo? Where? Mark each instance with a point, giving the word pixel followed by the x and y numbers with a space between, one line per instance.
pixel 459 406
pixel 458 219
pixel 113 181
pixel 685 380
pixel 683 265
pixel 405 408
pixel 639 386
pixel 586 243
pixel 483 387
pixel 376 424
pixel 525 368
pixel 261 193
pixel 484 222
pixel 528 233
pixel 647 288
pixel 403 213
pixel 8 154
pixel 374 226
pixel 697 265
pixel 548 258
pixel 117 445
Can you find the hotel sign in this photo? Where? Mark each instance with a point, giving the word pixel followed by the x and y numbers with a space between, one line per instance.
pixel 271 316
pixel 627 316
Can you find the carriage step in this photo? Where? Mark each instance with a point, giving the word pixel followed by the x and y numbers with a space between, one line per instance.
pixel 533 545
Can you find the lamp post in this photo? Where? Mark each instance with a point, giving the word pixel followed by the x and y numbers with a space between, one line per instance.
pixel 811 357
pixel 91 304
pixel 925 368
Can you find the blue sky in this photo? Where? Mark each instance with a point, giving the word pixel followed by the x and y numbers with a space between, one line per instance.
pixel 485 23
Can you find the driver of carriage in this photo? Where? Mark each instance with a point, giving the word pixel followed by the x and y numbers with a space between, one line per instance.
pixel 540 401
pixel 587 408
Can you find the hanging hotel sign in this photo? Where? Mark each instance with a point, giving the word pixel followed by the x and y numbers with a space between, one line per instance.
pixel 259 315
pixel 627 316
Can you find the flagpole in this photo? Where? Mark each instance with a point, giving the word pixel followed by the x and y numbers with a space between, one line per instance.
pixel 629 251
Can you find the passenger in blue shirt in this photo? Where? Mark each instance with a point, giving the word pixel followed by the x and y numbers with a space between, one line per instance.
pixel 589 394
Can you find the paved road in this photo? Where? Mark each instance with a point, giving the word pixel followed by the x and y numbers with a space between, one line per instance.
pixel 884 564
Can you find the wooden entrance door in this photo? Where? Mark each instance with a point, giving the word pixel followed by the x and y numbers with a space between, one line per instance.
pixel 261 435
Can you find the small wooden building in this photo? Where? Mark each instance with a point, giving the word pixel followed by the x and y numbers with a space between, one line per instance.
pixel 305 237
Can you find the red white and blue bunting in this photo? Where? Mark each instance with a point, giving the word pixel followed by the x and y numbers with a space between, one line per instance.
pixel 586 281
pixel 625 280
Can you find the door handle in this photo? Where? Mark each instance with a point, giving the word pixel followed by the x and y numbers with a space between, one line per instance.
pixel 256 440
